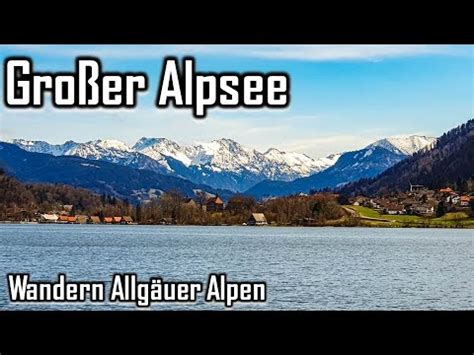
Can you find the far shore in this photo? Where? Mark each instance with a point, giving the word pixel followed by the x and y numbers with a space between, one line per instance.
pixel 363 223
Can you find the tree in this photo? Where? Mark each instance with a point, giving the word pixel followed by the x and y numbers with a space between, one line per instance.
pixel 441 209
pixel 170 204
pixel 424 198
pixel 138 213
pixel 240 204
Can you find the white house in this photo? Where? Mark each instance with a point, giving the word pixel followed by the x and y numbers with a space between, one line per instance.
pixel 49 218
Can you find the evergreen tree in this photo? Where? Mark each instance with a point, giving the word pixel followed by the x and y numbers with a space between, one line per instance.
pixel 441 209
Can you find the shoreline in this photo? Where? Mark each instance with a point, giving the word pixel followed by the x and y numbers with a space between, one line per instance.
pixel 386 224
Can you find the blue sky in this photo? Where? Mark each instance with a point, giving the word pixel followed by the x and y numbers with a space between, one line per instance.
pixel 343 97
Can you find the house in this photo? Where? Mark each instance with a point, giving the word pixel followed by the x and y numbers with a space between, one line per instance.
pixel 257 219
pixel 71 219
pixel 393 209
pixel 117 220
pixel 63 219
pixel 454 198
pixel 108 220
pixel 48 218
pixel 67 208
pixel 415 188
pixel 446 190
pixel 464 201
pixel 94 220
pixel 423 210
pixel 127 220
pixel 82 219
pixel 213 204
pixel 374 203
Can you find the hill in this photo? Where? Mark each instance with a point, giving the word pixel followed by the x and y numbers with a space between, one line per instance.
pixel 449 163
pixel 97 176
pixel 18 198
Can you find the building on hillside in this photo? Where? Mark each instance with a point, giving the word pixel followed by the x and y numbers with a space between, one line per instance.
pixel 358 200
pixel 416 188
pixel 446 190
pixel 464 201
pixel 127 220
pixel 393 209
pixel 67 208
pixel 71 219
pixel 374 203
pixel 49 218
pixel 94 220
pixel 453 198
pixel 213 204
pixel 257 219
pixel 117 220
pixel 108 220
pixel 423 210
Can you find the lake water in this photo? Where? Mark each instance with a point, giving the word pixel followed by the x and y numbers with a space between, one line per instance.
pixel 304 268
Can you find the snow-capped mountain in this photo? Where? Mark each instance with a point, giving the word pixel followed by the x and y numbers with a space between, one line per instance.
pixel 222 163
pixel 228 155
pixel 228 164
pixel 43 147
pixel 299 164
pixel 406 145
pixel 157 148
pixel 350 166
pixel 109 150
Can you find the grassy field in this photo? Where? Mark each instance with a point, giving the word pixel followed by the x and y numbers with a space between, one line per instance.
pixel 449 220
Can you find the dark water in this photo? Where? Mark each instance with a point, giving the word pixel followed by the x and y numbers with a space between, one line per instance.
pixel 305 268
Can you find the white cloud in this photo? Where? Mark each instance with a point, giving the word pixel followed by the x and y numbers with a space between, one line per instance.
pixel 293 52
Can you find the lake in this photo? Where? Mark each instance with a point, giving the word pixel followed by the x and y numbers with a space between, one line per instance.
pixel 304 268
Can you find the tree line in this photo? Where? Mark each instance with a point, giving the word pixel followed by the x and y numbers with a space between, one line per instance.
pixel 19 200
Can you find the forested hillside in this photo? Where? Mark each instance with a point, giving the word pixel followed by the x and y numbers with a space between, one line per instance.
pixel 449 163
pixel 16 197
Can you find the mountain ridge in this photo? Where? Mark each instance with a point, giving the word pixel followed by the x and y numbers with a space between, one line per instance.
pixel 224 163
pixel 450 162
pixel 96 175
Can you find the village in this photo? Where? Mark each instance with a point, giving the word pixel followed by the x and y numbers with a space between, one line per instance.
pixel 66 215
pixel 418 204
pixel 420 201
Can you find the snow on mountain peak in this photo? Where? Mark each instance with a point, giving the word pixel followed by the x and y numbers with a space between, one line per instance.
pixel 222 156
pixel 111 144
pixel 43 147
pixel 157 148
pixel 405 145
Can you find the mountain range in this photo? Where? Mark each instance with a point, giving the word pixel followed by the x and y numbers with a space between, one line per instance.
pixel 222 163
pixel 218 165
pixel 135 185
pixel 351 166
pixel 450 162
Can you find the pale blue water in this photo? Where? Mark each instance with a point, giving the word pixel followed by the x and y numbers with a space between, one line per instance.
pixel 305 268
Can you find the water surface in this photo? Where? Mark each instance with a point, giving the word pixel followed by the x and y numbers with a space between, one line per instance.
pixel 305 268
